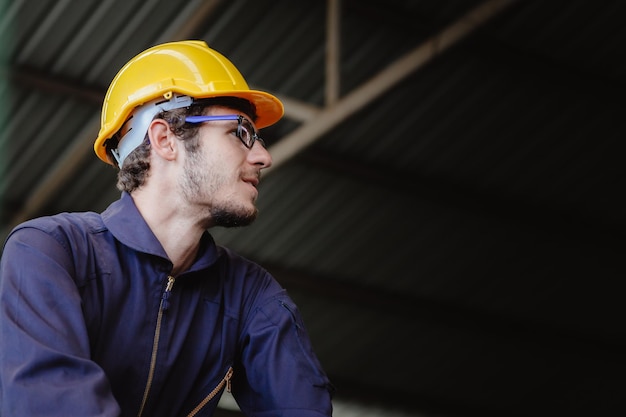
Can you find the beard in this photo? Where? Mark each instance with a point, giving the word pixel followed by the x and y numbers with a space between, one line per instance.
pixel 199 185
pixel 232 218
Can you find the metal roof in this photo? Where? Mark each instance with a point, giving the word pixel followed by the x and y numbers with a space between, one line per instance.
pixel 445 201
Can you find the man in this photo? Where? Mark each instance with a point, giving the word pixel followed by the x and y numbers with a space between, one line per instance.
pixel 136 311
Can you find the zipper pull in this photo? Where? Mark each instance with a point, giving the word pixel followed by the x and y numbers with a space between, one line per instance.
pixel 229 375
pixel 166 293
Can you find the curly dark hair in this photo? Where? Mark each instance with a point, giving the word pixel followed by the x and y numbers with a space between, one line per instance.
pixel 136 166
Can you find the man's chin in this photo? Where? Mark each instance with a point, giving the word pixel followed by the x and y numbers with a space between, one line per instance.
pixel 233 219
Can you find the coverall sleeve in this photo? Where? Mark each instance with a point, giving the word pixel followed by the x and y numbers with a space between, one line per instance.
pixel 45 366
pixel 279 373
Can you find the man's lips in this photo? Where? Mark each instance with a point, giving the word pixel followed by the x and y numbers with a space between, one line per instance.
pixel 254 181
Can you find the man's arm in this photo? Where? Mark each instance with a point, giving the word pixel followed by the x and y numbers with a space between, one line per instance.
pixel 45 366
pixel 279 372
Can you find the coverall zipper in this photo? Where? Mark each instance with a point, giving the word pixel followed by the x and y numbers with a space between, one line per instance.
pixel 212 394
pixel 155 347
pixel 155 343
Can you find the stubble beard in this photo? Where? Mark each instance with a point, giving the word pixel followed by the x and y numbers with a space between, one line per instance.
pixel 231 218
pixel 198 185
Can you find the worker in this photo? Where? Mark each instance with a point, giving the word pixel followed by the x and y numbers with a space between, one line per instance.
pixel 136 311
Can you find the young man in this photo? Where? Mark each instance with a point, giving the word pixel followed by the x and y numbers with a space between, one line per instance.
pixel 136 311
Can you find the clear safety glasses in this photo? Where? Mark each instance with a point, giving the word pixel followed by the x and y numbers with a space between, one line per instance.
pixel 246 132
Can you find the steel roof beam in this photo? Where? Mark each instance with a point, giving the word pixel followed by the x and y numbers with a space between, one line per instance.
pixel 360 97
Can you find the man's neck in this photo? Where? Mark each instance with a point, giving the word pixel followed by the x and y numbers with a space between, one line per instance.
pixel 178 234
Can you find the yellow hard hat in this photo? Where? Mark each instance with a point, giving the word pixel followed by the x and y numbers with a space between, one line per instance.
pixel 188 68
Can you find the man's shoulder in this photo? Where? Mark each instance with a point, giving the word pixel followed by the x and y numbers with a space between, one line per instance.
pixel 64 227
pixel 68 221
pixel 69 238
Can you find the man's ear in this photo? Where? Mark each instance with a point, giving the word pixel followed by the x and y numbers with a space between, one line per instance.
pixel 162 140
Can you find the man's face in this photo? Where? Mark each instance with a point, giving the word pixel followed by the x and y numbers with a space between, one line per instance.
pixel 222 176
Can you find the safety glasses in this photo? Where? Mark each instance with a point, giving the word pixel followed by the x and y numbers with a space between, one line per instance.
pixel 246 132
